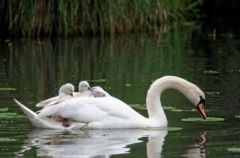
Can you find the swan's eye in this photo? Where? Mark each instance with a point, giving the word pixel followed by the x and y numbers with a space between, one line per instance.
pixel 200 107
pixel 202 100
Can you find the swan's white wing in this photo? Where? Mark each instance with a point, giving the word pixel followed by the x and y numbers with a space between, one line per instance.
pixel 86 109
pixel 52 103
pixel 46 102
pixel 44 122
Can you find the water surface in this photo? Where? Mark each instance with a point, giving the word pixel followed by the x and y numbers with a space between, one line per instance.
pixel 125 66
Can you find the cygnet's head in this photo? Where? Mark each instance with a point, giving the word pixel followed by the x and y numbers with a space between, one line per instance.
pixel 98 91
pixel 83 86
pixel 66 89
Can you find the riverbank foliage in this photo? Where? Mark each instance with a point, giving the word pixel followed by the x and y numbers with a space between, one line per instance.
pixel 36 18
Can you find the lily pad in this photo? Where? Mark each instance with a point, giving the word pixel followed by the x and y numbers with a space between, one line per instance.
pixel 211 72
pixel 174 128
pixel 212 92
pixel 234 150
pixel 193 110
pixel 3 139
pixel 10 115
pixel 168 128
pixel 237 116
pixel 102 80
pixel 173 109
pixel 7 89
pixel 128 85
pixel 198 119
pixel 139 106
pixel 4 109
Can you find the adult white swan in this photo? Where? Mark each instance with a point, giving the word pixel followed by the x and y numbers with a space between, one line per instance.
pixel 110 112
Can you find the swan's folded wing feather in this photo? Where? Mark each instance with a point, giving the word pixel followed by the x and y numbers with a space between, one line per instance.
pixel 82 113
pixel 47 102
pixel 85 109
pixel 52 103
pixel 117 108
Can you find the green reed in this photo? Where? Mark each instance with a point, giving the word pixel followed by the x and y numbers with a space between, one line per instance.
pixel 73 17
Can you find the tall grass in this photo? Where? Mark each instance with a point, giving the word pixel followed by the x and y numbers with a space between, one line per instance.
pixel 31 18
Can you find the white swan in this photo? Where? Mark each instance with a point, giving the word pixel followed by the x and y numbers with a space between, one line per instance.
pixel 110 112
pixel 65 92
pixel 84 90
pixel 98 91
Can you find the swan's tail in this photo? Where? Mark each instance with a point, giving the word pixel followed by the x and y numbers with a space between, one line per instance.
pixel 32 116
pixel 28 112
pixel 44 122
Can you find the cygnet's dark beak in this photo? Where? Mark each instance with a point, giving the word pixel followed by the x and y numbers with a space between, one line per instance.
pixel 90 89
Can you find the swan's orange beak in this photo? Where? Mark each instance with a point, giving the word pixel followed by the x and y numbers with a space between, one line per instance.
pixel 200 108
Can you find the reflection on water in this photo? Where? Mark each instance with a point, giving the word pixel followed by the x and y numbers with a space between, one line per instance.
pixel 91 143
pixel 197 150
pixel 101 143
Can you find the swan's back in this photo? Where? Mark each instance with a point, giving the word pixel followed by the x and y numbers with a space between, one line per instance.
pixel 87 110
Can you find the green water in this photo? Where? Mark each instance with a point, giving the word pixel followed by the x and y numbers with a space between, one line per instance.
pixel 32 70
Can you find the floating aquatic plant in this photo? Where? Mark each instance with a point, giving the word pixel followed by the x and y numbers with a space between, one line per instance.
pixel 209 119
pixel 102 80
pixel 3 139
pixel 234 150
pixel 237 116
pixel 168 128
pixel 211 72
pixel 139 106
pixel 4 109
pixel 10 115
pixel 7 89
pixel 174 128
pixel 128 85
pixel 174 109
pixel 212 93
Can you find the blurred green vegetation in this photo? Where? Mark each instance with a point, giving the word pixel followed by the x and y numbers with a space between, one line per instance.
pixel 37 68
pixel 36 18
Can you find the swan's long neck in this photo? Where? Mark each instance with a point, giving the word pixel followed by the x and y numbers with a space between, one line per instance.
pixel 155 110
